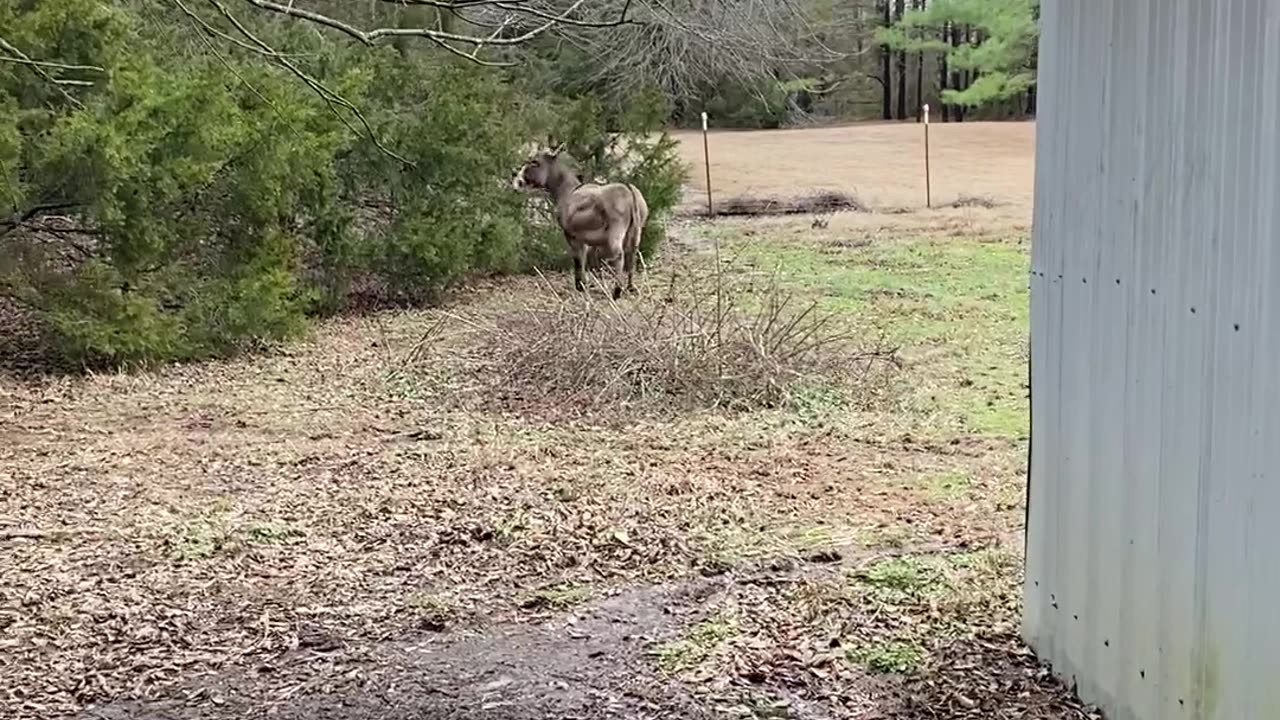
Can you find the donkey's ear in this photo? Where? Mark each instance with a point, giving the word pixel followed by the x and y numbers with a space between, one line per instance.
pixel 559 149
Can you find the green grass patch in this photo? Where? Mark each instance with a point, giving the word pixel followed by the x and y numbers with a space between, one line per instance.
pixel 697 646
pixel 958 308
pixel 434 611
pixel 894 656
pixel 946 485
pixel 272 532
pixel 815 401
pixel 981 586
pixel 557 597
pixel 199 539
pixel 218 531
pixel 900 580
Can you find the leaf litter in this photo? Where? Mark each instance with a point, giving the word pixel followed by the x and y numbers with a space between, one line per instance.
pixel 272 534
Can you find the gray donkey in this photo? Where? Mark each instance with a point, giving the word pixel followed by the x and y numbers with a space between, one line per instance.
pixel 609 216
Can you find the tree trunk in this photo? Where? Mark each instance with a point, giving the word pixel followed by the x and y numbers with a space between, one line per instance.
pixel 446 19
pixel 1035 64
pixel 958 83
pixel 943 74
pixel 411 16
pixel 860 23
pixel 902 67
pixel 886 67
pixel 919 5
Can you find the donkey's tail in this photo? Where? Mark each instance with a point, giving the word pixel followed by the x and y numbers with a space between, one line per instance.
pixel 639 215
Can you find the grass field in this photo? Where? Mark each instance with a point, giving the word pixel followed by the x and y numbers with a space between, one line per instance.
pixel 376 523
pixel 881 163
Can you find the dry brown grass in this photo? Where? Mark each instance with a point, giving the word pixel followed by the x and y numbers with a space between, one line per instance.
pixel 881 163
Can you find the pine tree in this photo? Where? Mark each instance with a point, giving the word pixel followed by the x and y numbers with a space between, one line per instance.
pixel 1000 66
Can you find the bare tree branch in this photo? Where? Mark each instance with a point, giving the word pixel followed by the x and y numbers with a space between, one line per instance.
pixel 473 56
pixel 451 4
pixel 560 19
pixel 210 29
pixel 203 30
pixel 37 68
pixel 47 64
pixel 331 98
pixel 685 47
pixel 370 37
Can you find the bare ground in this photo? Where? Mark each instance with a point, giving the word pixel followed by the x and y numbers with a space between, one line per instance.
pixel 349 528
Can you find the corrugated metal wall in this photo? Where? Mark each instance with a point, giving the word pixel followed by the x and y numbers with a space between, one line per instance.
pixel 1153 551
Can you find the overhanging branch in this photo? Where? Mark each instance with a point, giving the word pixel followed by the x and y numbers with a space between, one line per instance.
pixel 336 102
pixel 514 7
pixel 38 67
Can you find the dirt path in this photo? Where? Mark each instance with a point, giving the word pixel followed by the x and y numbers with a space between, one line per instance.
pixel 598 662
pixel 586 664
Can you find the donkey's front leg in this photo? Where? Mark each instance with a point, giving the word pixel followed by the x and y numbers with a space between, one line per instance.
pixel 579 251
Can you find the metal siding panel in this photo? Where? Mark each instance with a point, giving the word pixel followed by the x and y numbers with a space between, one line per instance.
pixel 1042 497
pixel 1149 571
pixel 1103 618
pixel 1076 537
pixel 1177 505
pixel 1149 223
pixel 1231 485
pixel 1261 336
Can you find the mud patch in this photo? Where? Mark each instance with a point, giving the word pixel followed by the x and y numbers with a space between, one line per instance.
pixel 589 664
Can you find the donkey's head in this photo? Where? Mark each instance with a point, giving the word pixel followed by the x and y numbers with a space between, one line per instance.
pixel 540 170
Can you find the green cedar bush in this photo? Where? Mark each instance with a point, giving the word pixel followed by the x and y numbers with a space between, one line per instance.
pixel 196 200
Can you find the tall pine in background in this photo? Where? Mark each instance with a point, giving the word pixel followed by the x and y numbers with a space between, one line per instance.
pixel 992 47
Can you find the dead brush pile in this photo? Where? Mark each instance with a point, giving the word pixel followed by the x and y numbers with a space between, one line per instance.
pixel 696 341
pixel 825 201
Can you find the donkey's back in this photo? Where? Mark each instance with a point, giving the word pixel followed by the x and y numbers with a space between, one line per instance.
pixel 609 215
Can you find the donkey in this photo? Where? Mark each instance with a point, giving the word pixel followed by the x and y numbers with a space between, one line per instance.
pixel 609 216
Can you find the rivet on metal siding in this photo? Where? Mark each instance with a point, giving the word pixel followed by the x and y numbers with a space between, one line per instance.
pixel 1142 674
pixel 1084 280
pixel 1117 281
pixel 1193 311
pixel 1153 291
pixel 1237 327
pixel 1106 643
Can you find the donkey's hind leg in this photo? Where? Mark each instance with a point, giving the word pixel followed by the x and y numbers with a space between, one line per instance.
pixel 617 259
pixel 629 265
